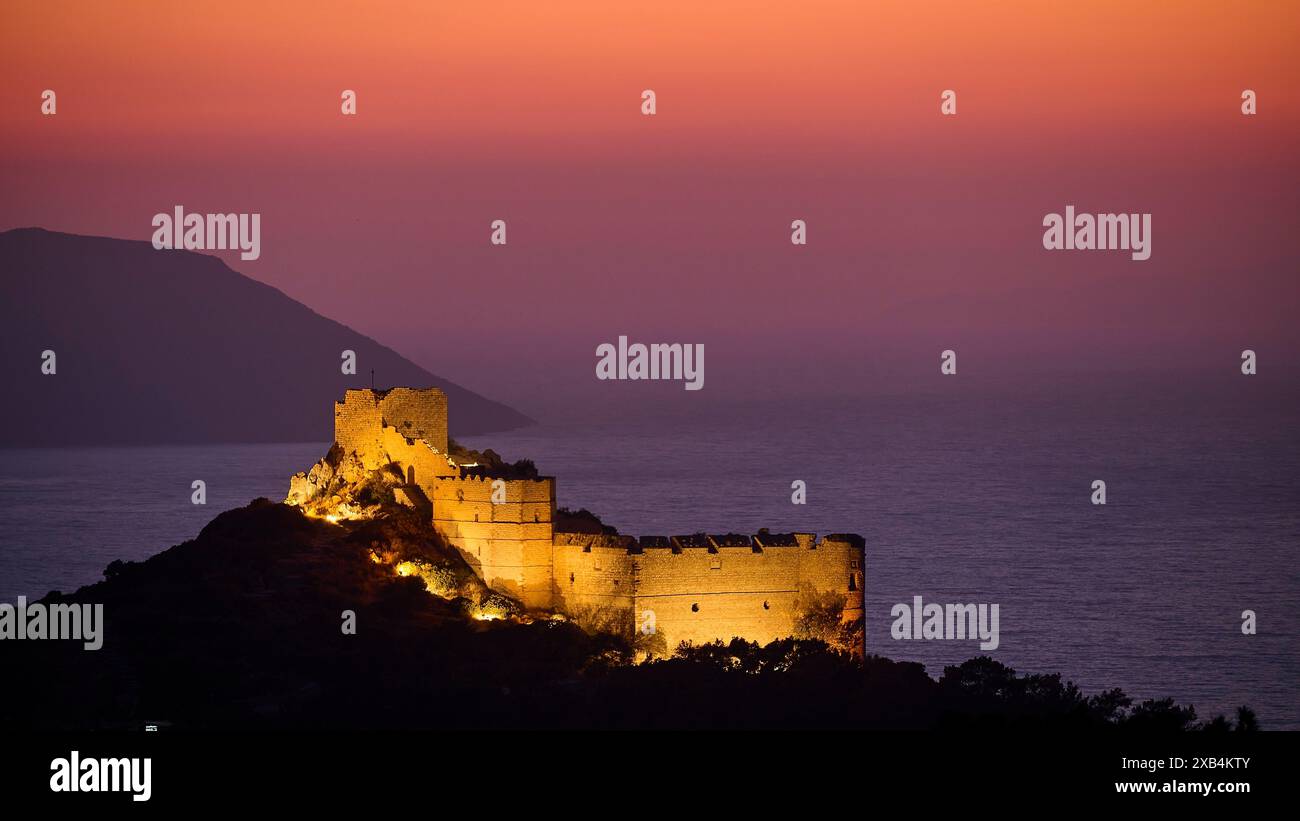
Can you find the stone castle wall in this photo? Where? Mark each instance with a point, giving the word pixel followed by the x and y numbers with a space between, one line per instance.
pixel 418 413
pixel 359 426
pixel 415 413
pixel 836 564
pixel 699 596
pixel 507 543
pixel 421 465
pixel 593 573
pixel 713 591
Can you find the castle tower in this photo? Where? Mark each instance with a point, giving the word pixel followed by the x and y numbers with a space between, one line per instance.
pixel 413 413
pixel 506 539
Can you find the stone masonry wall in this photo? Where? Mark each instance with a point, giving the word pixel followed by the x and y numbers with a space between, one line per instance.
pixel 700 594
pixel 835 564
pixel 358 427
pixel 593 573
pixel 415 413
pixel 507 543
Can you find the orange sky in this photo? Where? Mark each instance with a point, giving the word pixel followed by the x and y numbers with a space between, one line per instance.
pixel 466 71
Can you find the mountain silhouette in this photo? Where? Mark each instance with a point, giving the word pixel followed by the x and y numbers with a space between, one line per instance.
pixel 164 347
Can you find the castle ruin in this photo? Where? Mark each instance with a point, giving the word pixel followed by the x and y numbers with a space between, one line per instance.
pixel 695 588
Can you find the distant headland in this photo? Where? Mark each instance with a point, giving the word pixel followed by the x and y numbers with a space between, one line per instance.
pixel 174 347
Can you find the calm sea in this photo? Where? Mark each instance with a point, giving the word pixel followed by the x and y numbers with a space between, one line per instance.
pixel 961 499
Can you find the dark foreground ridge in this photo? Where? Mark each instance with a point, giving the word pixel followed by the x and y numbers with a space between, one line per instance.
pixel 240 628
pixel 174 347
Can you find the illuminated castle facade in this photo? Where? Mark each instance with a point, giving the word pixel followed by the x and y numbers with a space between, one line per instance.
pixel 689 588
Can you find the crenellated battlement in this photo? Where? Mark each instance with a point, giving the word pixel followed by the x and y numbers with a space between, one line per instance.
pixel 712 543
pixel 467 476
